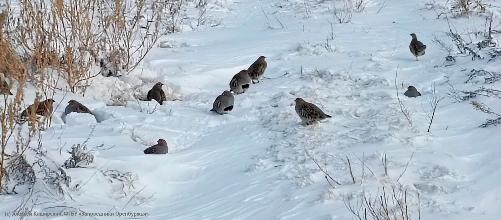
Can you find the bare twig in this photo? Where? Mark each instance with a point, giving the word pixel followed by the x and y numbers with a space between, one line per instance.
pixel 327 176
pixel 435 100
pixel 351 171
pixel 403 109
pixel 406 166
pixel 384 161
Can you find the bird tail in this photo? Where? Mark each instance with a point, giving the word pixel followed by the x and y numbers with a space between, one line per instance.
pixel 213 110
pixel 327 116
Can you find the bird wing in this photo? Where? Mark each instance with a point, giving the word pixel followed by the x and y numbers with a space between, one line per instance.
pixel 263 67
pixel 234 82
pixel 82 109
pixel 253 66
pixel 217 103
pixel 149 95
pixel 42 109
pixel 162 96
pixel 304 112
pixel 418 46
pixel 315 111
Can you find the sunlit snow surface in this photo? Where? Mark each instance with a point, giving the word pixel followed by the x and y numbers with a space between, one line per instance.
pixel 252 163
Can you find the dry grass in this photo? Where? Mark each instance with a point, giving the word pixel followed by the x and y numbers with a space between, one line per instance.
pixel 12 68
pixel 394 204
pixel 130 30
pixel 55 36
pixel 65 39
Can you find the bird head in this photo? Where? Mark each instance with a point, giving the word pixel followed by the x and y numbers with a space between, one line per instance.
pixel 262 57
pixel 413 35
pixel 162 142
pixel 158 85
pixel 298 100
pixel 72 102
pixel 411 88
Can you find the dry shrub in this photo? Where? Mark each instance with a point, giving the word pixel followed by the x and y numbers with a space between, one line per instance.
pixel 344 13
pixel 129 30
pixel 464 7
pixel 14 168
pixel 65 39
pixel 56 36
pixel 394 204
pixel 10 64
pixel 12 67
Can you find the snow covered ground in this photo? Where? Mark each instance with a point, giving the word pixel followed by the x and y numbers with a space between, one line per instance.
pixel 259 162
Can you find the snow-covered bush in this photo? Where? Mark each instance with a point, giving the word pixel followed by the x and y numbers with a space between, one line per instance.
pixel 80 157
pixel 464 7
pixel 18 173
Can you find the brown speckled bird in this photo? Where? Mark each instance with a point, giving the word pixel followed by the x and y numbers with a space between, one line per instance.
pixel 159 148
pixel 309 112
pixel 412 92
pixel 416 47
pixel 240 82
pixel 157 93
pixel 43 108
pixel 4 87
pixel 256 70
pixel 223 103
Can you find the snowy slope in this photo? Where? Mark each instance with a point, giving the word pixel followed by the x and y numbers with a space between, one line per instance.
pixel 255 163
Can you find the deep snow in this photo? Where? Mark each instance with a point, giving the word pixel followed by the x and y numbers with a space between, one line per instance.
pixel 253 163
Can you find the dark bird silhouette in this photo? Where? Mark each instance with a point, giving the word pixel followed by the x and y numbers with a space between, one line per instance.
pixel 159 148
pixel 417 47
pixel 412 92
pixel 74 106
pixel 77 107
pixel 309 112
pixel 256 70
pixel 223 103
pixel 157 93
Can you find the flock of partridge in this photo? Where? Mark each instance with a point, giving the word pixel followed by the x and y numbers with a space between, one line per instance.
pixel 309 113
